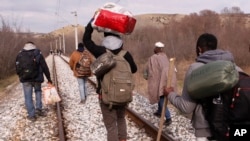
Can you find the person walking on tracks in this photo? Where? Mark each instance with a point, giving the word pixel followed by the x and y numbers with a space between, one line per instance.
pixel 114 118
pixel 156 73
pixel 30 67
pixel 80 61
pixel 206 50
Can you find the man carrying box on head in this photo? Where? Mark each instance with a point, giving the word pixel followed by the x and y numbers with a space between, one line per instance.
pixel 114 118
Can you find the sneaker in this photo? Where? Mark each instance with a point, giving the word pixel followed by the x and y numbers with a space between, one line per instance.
pixel 157 114
pixel 168 122
pixel 33 119
pixel 82 101
pixel 41 113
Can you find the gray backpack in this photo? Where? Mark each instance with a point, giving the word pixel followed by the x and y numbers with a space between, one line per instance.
pixel 118 84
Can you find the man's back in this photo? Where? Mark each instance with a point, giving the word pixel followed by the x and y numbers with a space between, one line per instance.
pixel 27 64
pixel 158 69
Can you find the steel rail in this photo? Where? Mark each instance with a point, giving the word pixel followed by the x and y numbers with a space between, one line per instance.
pixel 150 129
pixel 61 129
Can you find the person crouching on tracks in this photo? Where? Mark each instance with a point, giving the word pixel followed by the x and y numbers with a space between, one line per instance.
pixel 156 73
pixel 114 119
pixel 30 67
pixel 81 72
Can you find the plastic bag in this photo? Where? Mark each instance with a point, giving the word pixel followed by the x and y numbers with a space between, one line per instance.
pixel 50 95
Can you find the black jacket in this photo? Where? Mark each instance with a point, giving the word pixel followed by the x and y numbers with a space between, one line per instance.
pixel 43 68
pixel 98 50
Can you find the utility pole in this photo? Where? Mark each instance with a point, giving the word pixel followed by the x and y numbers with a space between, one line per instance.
pixel 76 37
pixel 60 42
pixel 56 51
pixel 50 46
pixel 63 44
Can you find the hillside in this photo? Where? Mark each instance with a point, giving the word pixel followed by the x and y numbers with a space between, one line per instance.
pixel 141 21
pixel 67 30
pixel 145 20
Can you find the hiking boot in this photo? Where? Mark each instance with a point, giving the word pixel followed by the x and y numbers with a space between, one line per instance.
pixel 41 113
pixel 157 114
pixel 168 122
pixel 33 119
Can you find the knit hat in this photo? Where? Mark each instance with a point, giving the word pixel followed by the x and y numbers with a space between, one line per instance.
pixel 29 46
pixel 159 44
pixel 112 42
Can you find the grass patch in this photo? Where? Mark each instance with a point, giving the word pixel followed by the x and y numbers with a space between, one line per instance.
pixel 6 82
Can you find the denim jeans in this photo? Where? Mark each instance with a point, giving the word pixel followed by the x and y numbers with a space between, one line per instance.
pixel 28 92
pixel 160 104
pixel 82 87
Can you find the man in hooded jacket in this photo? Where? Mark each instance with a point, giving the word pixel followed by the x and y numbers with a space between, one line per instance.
pixel 34 83
pixel 206 50
pixel 114 120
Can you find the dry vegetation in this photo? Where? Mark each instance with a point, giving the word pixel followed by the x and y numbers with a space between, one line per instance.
pixel 177 32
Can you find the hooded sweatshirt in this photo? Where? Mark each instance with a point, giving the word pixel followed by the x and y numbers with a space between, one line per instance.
pixel 187 105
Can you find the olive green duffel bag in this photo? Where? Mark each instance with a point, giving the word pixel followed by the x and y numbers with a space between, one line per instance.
pixel 211 79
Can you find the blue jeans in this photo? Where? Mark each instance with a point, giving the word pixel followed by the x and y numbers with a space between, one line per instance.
pixel 28 91
pixel 82 87
pixel 160 104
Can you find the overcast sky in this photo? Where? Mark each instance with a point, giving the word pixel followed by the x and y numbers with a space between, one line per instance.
pixel 47 15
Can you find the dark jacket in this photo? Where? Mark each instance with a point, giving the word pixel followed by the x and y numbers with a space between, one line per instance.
pixel 98 50
pixel 43 68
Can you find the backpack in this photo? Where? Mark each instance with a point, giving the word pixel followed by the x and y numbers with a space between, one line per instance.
pixel 27 64
pixel 229 110
pixel 118 84
pixel 103 64
pixel 83 65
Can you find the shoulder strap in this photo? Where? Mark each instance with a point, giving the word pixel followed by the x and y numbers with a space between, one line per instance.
pixel 243 73
pixel 109 51
pixel 201 62
pixel 122 53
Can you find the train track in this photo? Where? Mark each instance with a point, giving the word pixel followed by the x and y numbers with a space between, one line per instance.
pixel 61 129
pixel 141 122
pixel 70 120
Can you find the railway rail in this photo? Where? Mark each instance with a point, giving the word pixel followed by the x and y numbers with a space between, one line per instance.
pixel 140 121
pixel 58 106
pixel 69 120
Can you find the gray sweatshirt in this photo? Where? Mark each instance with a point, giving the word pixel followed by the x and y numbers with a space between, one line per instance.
pixel 187 105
